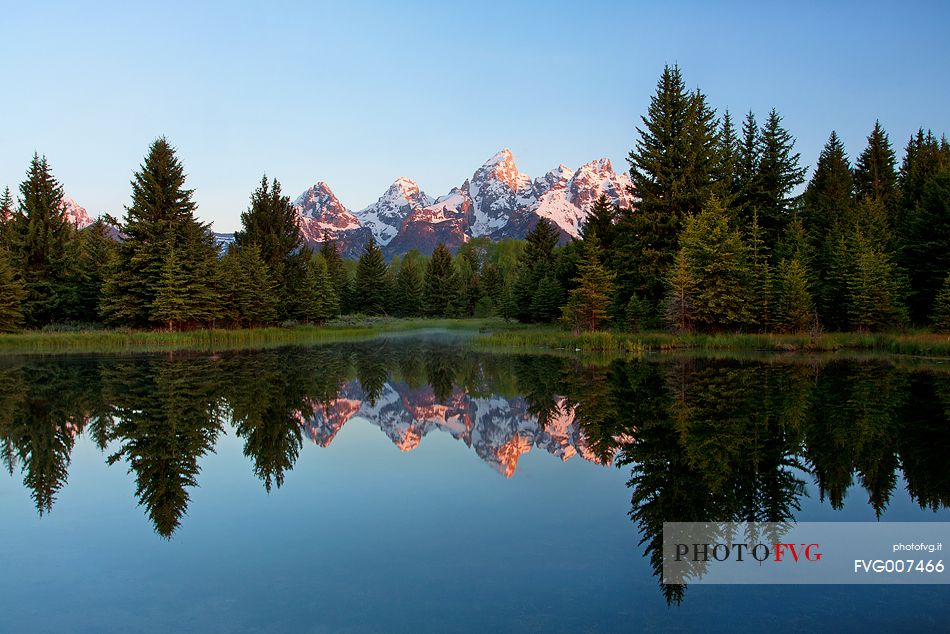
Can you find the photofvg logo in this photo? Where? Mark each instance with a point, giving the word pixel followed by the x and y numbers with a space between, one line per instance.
pixel 804 552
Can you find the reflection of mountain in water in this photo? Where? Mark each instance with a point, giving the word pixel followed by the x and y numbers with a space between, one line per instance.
pixel 499 429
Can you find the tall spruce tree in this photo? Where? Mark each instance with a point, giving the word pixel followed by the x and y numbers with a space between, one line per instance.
pixel 828 215
pixel 745 194
pixel 777 175
pixel 371 288
pixel 409 289
pixel 320 301
pixel 40 237
pixel 673 169
pixel 725 174
pixel 601 222
pixel 589 301
pixel 441 283
pixel 160 218
pixel 537 261
pixel 270 223
pixel 336 268
pixel 875 174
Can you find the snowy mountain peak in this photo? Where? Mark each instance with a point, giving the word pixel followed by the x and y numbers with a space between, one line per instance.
pixel 76 213
pixel 497 201
pixel 319 200
pixel 386 215
pixel 320 212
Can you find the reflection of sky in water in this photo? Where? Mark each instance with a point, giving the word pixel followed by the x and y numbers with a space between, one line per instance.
pixel 362 536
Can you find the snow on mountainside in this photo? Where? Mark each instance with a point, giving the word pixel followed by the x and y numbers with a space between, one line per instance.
pixel 320 212
pixel 498 201
pixel 386 215
pixel 499 430
pixel 75 213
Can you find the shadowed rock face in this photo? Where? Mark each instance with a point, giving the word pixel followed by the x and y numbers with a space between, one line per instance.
pixel 497 201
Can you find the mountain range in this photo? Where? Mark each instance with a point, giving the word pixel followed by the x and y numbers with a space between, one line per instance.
pixel 499 430
pixel 497 201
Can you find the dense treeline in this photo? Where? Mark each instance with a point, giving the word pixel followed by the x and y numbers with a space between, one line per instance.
pixel 719 239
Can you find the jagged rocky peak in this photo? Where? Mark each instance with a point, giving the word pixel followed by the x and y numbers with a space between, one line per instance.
pixel 319 202
pixel 559 177
pixel 76 213
pixel 386 215
pixel 501 168
pixel 596 178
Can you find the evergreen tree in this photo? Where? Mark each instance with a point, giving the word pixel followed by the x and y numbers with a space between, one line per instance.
pixel 923 159
pixel 94 253
pixel 941 312
pixel 171 302
pixel 493 283
pixel 778 174
pixel 794 310
pixel 761 271
pixel 336 269
pixel 160 218
pixel 409 289
pixel 319 295
pixel 270 224
pixel 828 198
pixel 828 215
pixel 925 252
pixel 588 302
pixel 536 262
pixel 250 293
pixel 875 175
pixel 600 222
pixel 745 185
pixel 441 283
pixel 370 287
pixel 673 168
pixel 11 294
pixel 681 294
pixel 873 291
pixel 7 211
pixel 41 234
pixel 725 174
pixel 546 300
pixel 716 260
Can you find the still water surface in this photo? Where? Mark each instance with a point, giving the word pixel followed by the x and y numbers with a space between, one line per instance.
pixel 417 484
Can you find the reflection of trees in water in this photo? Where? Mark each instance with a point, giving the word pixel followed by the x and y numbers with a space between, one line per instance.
pixel 167 416
pixel 41 413
pixel 705 440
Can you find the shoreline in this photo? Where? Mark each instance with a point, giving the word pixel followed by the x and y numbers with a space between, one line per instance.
pixel 492 333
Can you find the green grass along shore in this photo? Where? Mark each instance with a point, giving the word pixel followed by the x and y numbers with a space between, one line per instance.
pixel 488 333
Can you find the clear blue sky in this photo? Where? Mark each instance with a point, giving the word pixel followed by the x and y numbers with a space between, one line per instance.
pixel 357 93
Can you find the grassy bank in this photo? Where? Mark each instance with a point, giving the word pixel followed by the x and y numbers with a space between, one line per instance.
pixel 344 329
pixel 490 334
pixel 553 338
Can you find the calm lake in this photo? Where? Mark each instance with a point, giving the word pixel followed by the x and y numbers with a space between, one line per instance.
pixel 415 483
